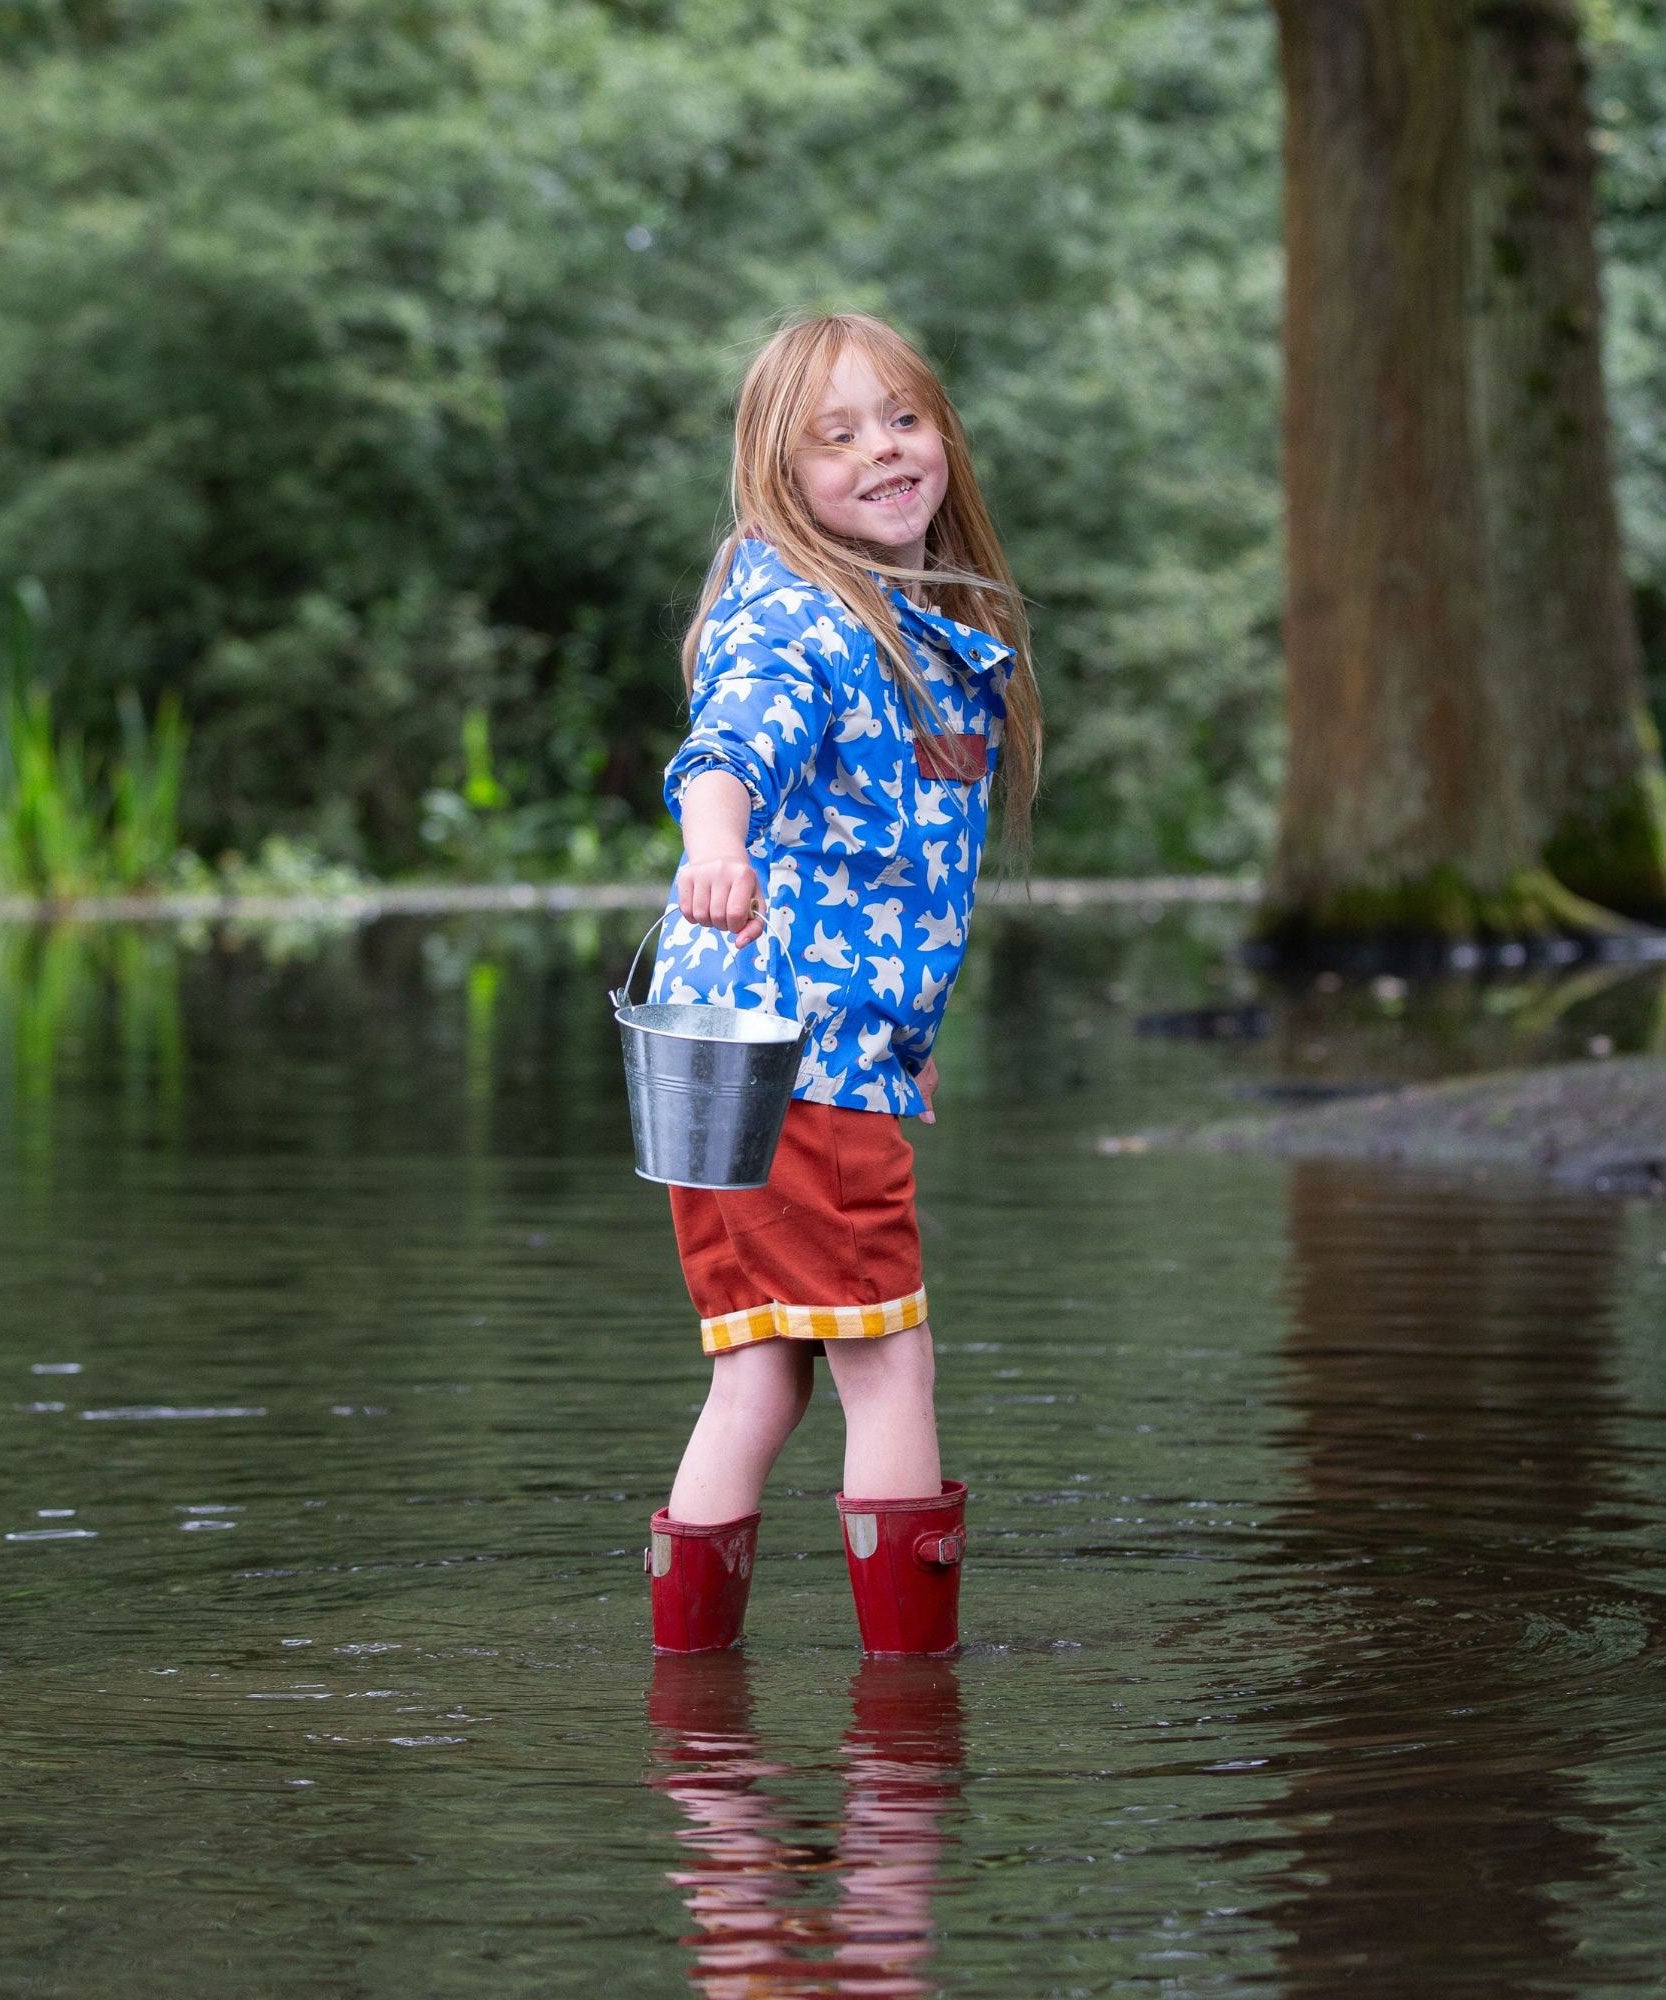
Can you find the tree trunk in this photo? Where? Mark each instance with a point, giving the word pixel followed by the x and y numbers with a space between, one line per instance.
pixel 1560 623
pixel 1414 801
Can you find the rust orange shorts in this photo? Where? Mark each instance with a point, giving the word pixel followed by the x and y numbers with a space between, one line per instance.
pixel 829 1250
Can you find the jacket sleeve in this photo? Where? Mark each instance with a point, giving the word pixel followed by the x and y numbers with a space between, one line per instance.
pixel 762 702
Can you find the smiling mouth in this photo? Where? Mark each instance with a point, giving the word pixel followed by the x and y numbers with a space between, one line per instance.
pixel 893 490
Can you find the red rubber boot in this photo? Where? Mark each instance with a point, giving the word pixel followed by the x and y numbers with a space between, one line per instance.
pixel 702 1576
pixel 904 1560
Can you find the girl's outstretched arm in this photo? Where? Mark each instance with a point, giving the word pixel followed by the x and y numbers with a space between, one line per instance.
pixel 718 884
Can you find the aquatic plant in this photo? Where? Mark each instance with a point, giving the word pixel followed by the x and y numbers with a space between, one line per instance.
pixel 144 784
pixel 71 821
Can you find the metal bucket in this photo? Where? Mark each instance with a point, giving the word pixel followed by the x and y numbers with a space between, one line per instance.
pixel 709 1086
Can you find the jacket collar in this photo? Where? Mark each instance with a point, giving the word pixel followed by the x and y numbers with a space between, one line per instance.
pixel 977 652
pixel 758 569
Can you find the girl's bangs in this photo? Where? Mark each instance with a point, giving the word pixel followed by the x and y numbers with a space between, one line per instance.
pixel 902 373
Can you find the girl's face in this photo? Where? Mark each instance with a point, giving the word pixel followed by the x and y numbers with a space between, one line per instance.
pixel 872 469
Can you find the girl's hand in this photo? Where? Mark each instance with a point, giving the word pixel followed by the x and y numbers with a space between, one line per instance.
pixel 927 1080
pixel 724 893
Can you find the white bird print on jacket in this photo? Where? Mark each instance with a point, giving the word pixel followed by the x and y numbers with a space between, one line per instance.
pixel 815 997
pixel 883 924
pixel 928 806
pixel 831 638
pixel 895 875
pixel 825 950
pixel 842 828
pixel 786 718
pixel 744 629
pixel 937 869
pixel 938 932
pixel 887 977
pixel 874 1095
pixel 890 840
pixel 850 784
pixel 930 993
pixel 873 1045
pixel 860 723
pixel 790 827
pixel 838 894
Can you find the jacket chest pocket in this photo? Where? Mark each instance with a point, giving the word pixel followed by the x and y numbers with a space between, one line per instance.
pixel 951 759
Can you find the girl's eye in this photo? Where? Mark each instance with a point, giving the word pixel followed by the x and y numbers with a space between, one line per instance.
pixel 906 418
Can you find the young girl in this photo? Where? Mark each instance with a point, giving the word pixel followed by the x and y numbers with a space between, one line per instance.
pixel 856 663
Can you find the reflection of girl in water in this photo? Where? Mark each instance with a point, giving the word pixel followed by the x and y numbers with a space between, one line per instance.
pixel 856 667
pixel 750 1868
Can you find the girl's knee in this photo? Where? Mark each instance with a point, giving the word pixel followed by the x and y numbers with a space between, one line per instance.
pixel 896 1364
pixel 768 1385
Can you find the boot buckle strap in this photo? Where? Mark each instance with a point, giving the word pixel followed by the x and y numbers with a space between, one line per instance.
pixel 940 1551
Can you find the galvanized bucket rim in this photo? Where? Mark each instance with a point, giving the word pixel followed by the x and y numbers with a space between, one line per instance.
pixel 625 1012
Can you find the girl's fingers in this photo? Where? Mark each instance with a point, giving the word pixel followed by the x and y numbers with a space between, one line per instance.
pixel 753 926
pixel 717 897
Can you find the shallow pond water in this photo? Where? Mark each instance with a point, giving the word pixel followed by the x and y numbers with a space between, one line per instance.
pixel 1314 1604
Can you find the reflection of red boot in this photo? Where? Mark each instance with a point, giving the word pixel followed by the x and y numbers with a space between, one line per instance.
pixel 700 1708
pixel 903 1754
pixel 904 1559
pixel 702 1575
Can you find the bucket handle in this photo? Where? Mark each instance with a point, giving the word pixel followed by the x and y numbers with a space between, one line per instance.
pixel 621 996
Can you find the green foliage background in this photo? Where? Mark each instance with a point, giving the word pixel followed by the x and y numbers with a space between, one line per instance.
pixel 365 362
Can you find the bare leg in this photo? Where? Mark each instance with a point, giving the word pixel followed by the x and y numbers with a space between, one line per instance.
pixel 885 1386
pixel 756 1399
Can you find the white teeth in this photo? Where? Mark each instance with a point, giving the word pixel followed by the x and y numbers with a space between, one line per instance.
pixel 886 492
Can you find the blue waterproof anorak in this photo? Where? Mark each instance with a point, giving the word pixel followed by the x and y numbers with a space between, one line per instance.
pixel 869 860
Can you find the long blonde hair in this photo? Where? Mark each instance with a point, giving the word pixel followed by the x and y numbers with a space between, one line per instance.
pixel 964 566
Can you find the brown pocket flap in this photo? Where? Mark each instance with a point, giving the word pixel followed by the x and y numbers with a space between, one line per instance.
pixel 961 760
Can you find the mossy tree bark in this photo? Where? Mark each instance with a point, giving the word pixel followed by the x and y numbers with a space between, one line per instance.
pixel 1432 784
pixel 1560 622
